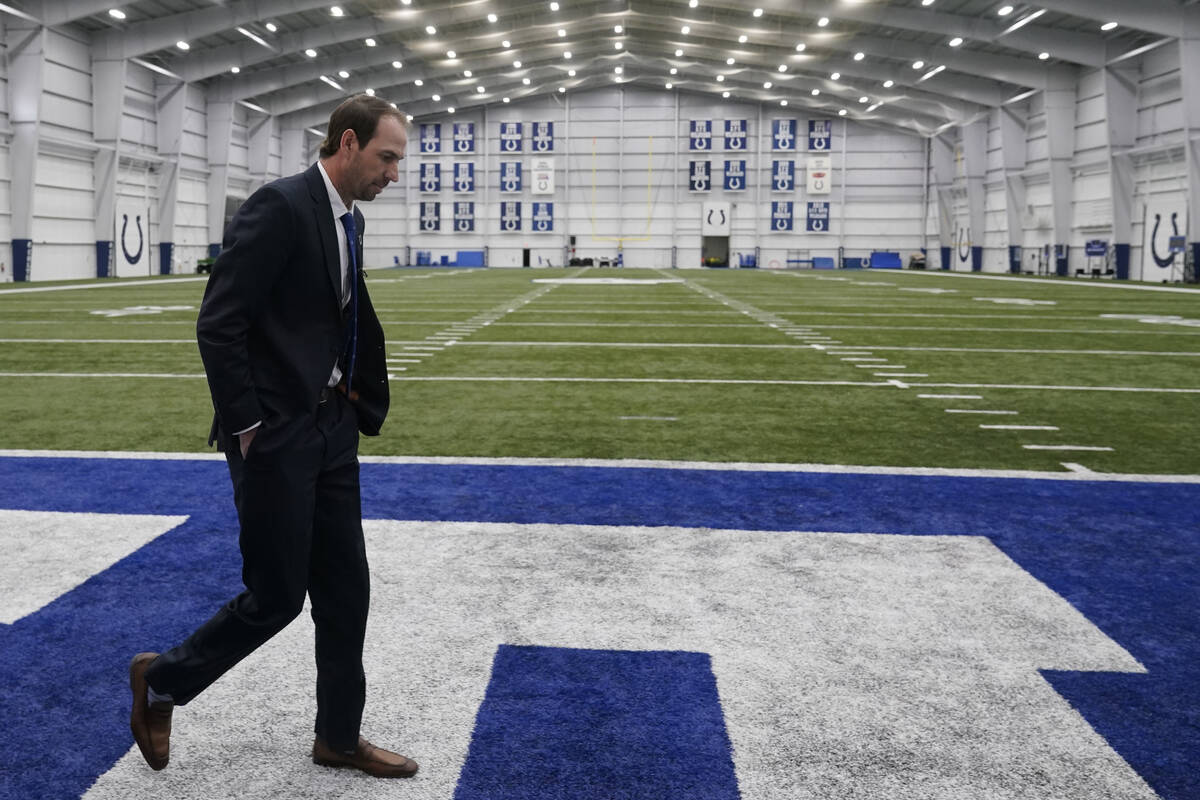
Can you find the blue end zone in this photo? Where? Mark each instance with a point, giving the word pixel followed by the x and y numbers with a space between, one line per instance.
pixel 1124 554
pixel 599 725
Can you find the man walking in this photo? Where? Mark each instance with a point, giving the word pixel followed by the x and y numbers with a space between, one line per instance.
pixel 295 360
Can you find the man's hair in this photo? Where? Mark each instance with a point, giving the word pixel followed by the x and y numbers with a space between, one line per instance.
pixel 361 114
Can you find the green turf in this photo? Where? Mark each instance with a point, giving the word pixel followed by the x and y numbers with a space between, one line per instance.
pixel 698 369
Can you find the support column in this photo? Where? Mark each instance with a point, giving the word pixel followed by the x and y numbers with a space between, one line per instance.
pixel 974 144
pixel 292 150
pixel 26 76
pixel 261 131
pixel 1060 134
pixel 1013 145
pixel 171 105
pixel 1189 59
pixel 1120 105
pixel 943 181
pixel 108 101
pixel 219 108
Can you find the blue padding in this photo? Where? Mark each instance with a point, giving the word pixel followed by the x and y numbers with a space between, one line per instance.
pixel 885 260
pixel 852 262
pixel 469 258
pixel 22 258
pixel 599 724
pixel 821 262
pixel 104 251
pixel 166 254
pixel 1122 258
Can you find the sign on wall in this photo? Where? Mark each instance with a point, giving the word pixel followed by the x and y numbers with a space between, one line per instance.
pixel 431 177
pixel 735 175
pixel 132 252
pixel 543 137
pixel 464 137
pixel 510 176
pixel 716 219
pixel 541 175
pixel 464 217
pixel 818 217
pixel 735 134
pixel 783 176
pixel 431 216
pixel 1165 217
pixel 510 137
pixel 700 176
pixel 543 217
pixel 431 138
pixel 700 137
pixel 820 174
pixel 820 134
pixel 781 215
pixel 783 134
pixel 464 177
pixel 510 216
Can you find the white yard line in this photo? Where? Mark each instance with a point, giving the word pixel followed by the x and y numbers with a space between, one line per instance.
pixel 113 285
pixel 988 411
pixel 1019 427
pixel 1083 447
pixel 950 396
pixel 1053 283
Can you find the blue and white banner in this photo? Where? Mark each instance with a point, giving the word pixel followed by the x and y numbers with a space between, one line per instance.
pixel 735 134
pixel 820 134
pixel 510 176
pixel 700 176
pixel 783 176
pixel 735 175
pixel 820 174
pixel 431 138
pixel 431 216
pixel 464 137
pixel 783 134
pixel 781 215
pixel 700 137
pixel 543 217
pixel 464 177
pixel 510 137
pixel 818 218
pixel 510 216
pixel 431 177
pixel 543 137
pixel 464 217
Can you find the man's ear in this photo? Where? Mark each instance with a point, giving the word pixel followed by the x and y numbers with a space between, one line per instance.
pixel 348 138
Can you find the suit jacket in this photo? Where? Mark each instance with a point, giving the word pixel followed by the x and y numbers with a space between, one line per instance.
pixel 271 326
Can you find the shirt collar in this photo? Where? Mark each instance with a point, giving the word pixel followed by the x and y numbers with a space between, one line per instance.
pixel 335 199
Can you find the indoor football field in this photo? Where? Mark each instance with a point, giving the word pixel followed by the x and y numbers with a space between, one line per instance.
pixel 643 534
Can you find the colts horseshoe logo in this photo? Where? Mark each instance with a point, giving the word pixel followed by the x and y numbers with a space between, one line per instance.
pixel 964 244
pixel 1170 258
pixel 136 257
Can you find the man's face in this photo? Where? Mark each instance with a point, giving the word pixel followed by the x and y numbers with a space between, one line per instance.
pixel 373 167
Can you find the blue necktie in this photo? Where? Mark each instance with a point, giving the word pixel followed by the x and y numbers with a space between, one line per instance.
pixel 352 327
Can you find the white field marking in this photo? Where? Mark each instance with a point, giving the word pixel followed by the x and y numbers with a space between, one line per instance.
pixel 97 341
pixel 63 550
pixel 1016 301
pixel 692 381
pixel 404 361
pixel 899 384
pixel 1082 447
pixel 861 358
pixel 1156 319
pixel 604 281
pixel 900 374
pixel 1045 388
pixel 1031 351
pixel 1058 284
pixel 878 366
pixel 950 396
pixel 120 285
pixel 635 463
pixel 993 412
pixel 100 375
pixel 624 345
pixel 1019 427
pixel 1071 465
pixel 941 329
pixel 818 347
pixel 653 419
pixel 930 291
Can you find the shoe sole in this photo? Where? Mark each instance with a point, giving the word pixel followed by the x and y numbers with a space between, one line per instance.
pixel 347 765
pixel 137 685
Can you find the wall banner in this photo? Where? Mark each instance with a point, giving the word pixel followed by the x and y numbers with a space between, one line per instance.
pixel 783 134
pixel 431 217
pixel 541 175
pixel 543 137
pixel 735 175
pixel 431 138
pixel 510 216
pixel 543 217
pixel 735 134
pixel 464 137
pixel 820 135
pixel 510 137
pixel 510 176
pixel 464 217
pixel 700 136
pixel 699 176
pixel 781 215
pixel 820 174
pixel 431 177
pixel 464 177
pixel 783 176
pixel 818 218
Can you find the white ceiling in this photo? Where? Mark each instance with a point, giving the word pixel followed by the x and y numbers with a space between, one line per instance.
pixel 783 53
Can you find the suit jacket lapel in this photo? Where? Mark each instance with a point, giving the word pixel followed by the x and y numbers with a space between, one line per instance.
pixel 323 217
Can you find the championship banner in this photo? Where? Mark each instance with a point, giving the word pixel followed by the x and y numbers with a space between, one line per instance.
pixel 541 175
pixel 431 216
pixel 464 177
pixel 510 137
pixel 510 216
pixel 818 217
pixel 431 138
pixel 735 134
pixel 735 176
pixel 431 177
pixel 781 215
pixel 543 217
pixel 464 137
pixel 543 137
pixel 783 134
pixel 700 176
pixel 700 137
pixel 820 134
pixel 820 174
pixel 783 176
pixel 510 176
pixel 464 217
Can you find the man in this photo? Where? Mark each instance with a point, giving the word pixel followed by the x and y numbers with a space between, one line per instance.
pixel 296 367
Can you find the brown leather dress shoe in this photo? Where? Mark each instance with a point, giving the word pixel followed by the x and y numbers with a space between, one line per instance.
pixel 150 722
pixel 370 759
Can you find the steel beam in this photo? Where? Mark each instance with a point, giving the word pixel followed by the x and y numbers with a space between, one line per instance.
pixel 26 45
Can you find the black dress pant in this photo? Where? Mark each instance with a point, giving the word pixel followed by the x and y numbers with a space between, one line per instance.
pixel 298 503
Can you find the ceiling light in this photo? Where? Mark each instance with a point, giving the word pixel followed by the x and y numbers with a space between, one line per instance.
pixel 562 89
pixel 1004 11
pixel 918 64
pixel 506 100
pixel 678 53
pixel 567 54
pixel 619 70
pixel 720 79
pixel 724 94
pixel 618 45
pixel 525 81
pixel 859 56
pixel 343 74
pixel 693 3
pixel 554 6
pixel 480 89
pixel 331 82
pixel 685 30
pixel 822 22
pixel 369 42
pixel 254 37
pixel 437 98
pixel 864 100
pixel 729 61
pixel 889 83
pixel 516 65
pixel 743 39
pixel 801 47
pixel 419 82
pixel 450 54
pixel 116 13
pixel 430 30
pixel 1023 21
pixel 836 76
pixel 397 65
pixel 1108 26
pixel 450 109
pixel 407 3
pixel 1043 56
pixel 783 67
pixel 337 11
pixel 618 29
pixel 506 44
pixel 931 73
pixel 926 2
pixel 816 92
pixel 492 18
pixel 561 33
pixel 467 73
pixel 235 70
pixel 674 71
pixel 956 41
pixel 768 85
pixel 783 102
pixel 841 112
pixel 571 73
pixel 670 85
pixel 758 12
pixel 182 45
pixel 272 27
pixel 310 53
